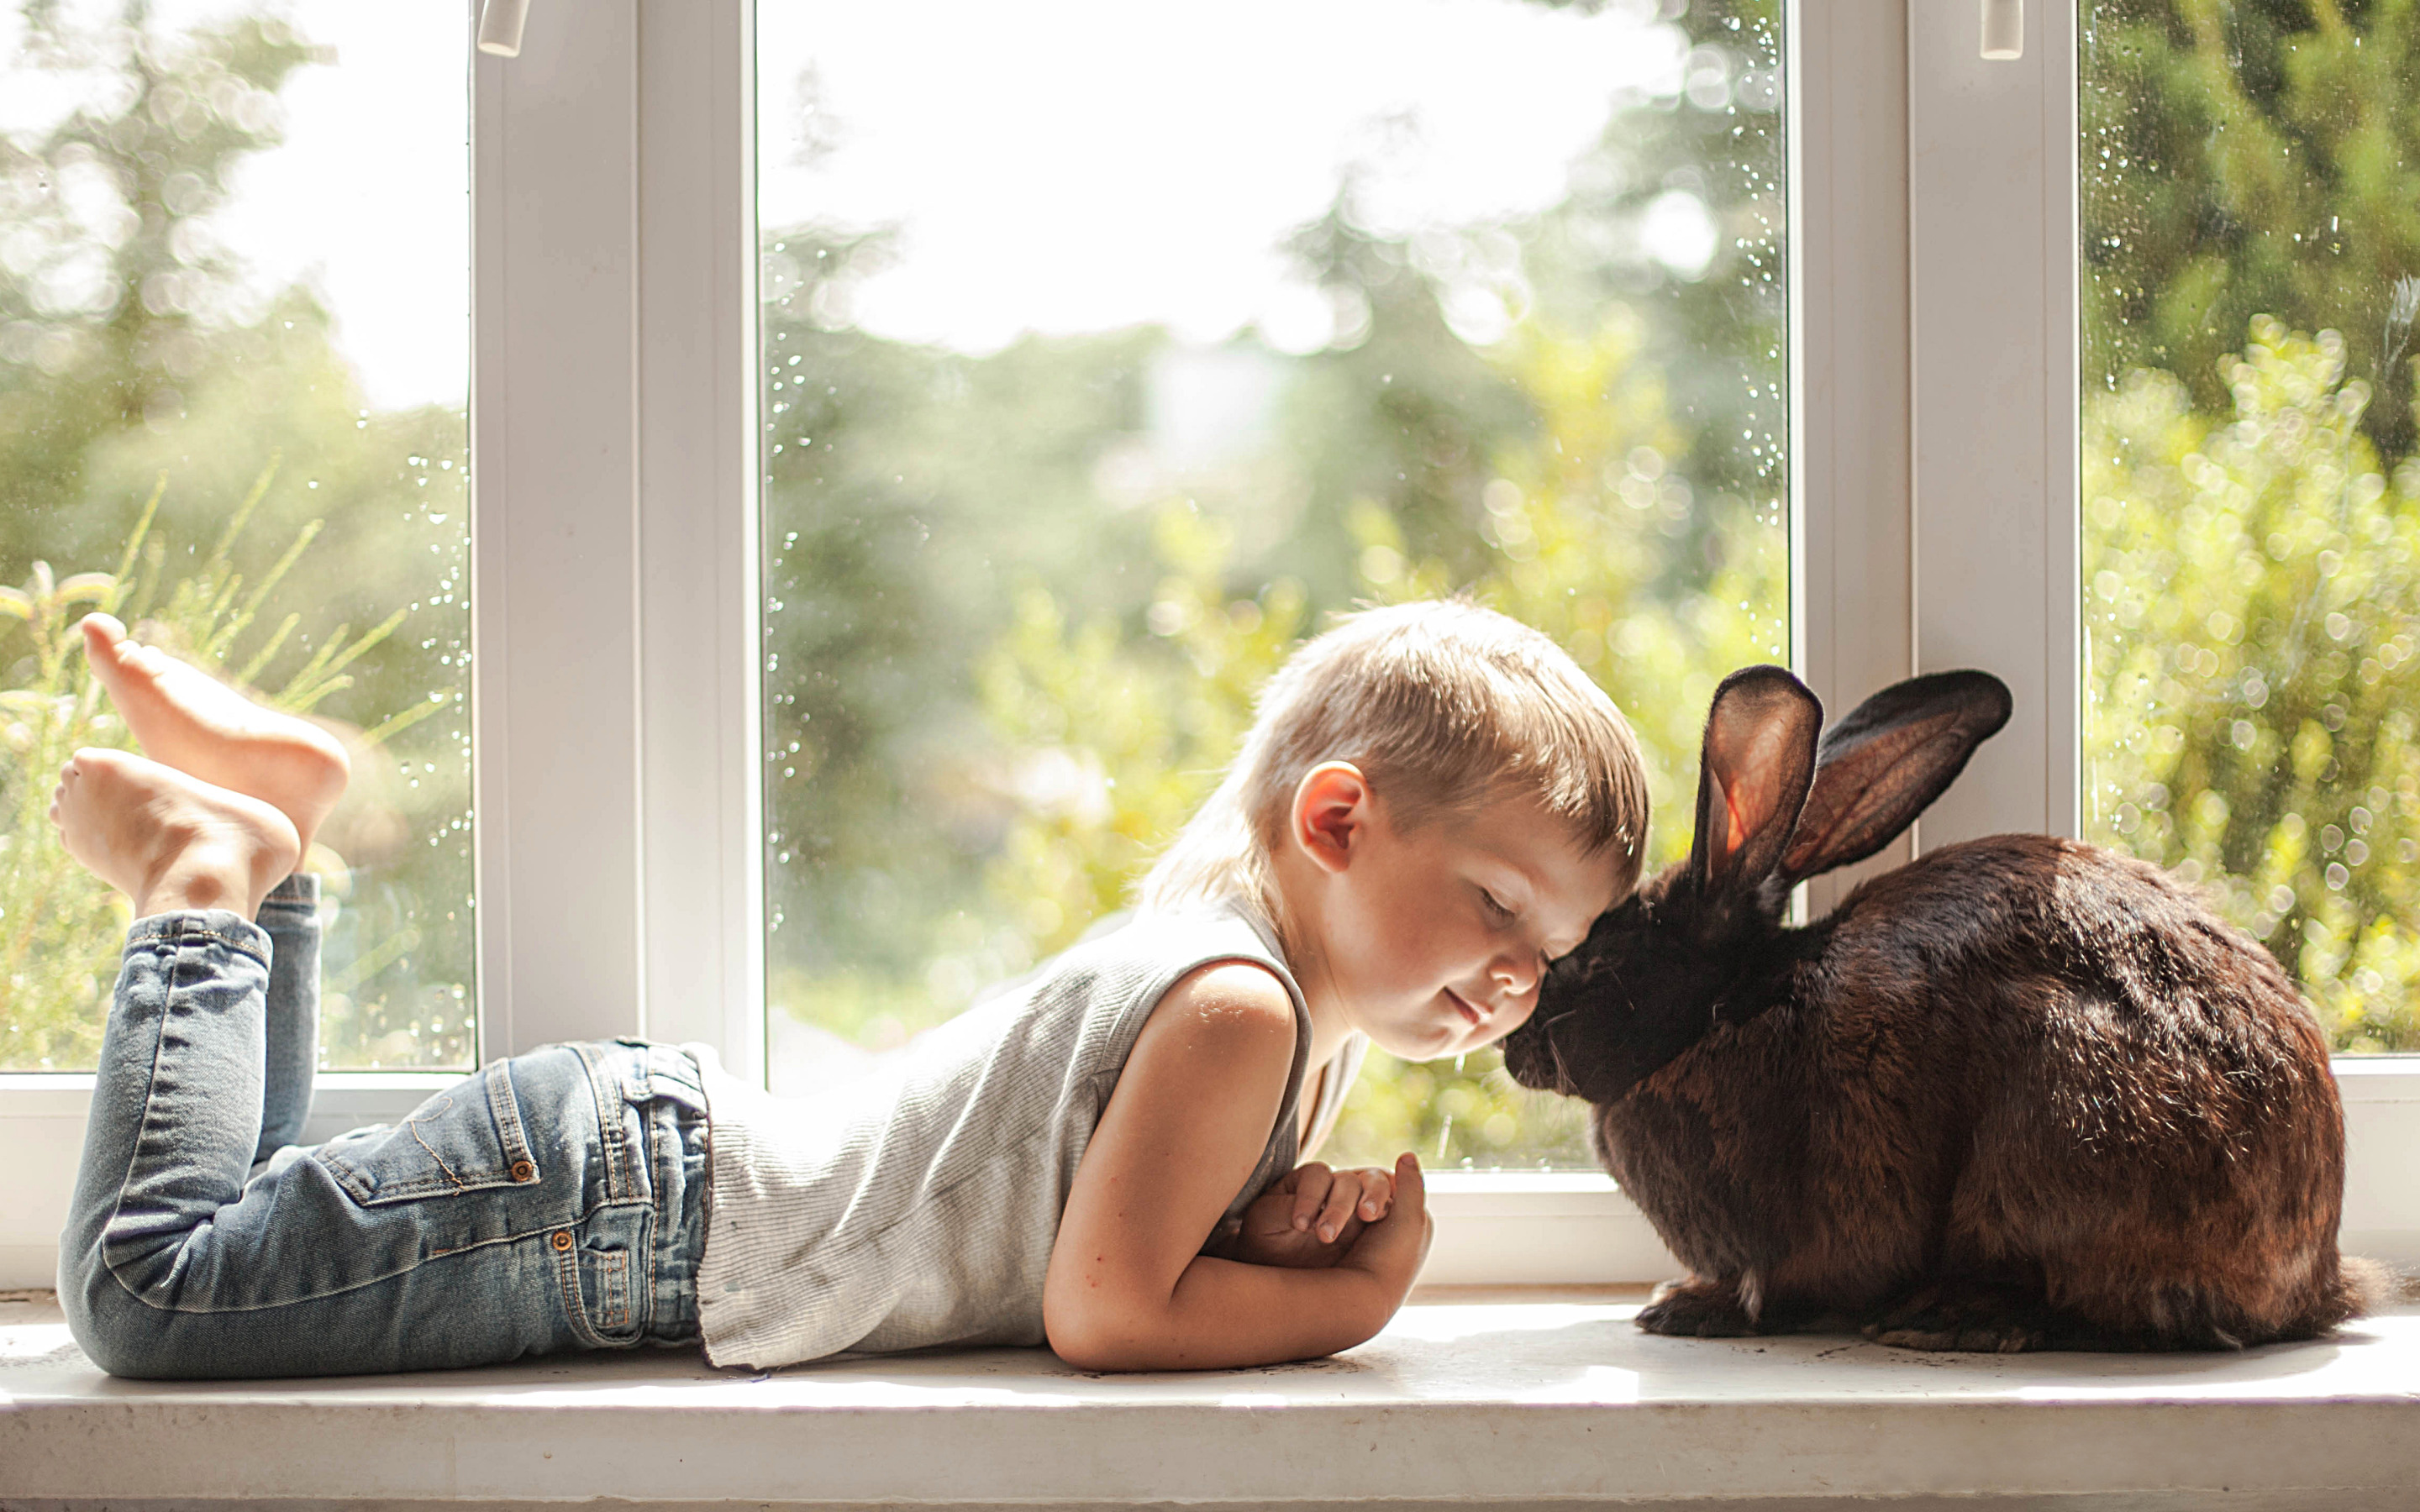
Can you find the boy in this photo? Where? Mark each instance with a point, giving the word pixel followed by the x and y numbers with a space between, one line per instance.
pixel 1433 802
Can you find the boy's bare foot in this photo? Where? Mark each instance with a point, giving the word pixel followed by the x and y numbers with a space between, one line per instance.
pixel 190 720
pixel 168 840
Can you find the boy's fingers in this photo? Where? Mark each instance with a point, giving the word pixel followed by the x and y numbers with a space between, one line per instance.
pixel 1377 1194
pixel 1310 1192
pixel 1411 1187
pixel 1342 1201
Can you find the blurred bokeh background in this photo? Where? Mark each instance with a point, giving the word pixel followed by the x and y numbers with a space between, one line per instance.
pixel 1105 351
pixel 234 352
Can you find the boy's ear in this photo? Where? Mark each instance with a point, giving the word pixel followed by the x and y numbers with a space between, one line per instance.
pixel 1331 812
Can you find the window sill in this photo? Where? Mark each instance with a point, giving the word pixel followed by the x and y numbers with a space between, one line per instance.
pixel 1527 1399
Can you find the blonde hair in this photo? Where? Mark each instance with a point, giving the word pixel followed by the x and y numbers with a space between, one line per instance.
pixel 1445 706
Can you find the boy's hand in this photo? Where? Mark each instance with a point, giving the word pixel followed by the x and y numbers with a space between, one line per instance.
pixel 1312 1216
pixel 1391 1249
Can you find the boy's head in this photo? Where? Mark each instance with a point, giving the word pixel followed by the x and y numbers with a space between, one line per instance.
pixel 1447 709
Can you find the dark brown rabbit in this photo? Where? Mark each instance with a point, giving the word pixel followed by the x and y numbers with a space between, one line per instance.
pixel 2023 1093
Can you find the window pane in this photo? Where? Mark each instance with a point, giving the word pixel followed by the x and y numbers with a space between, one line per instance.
pixel 2250 225
pixel 234 294
pixel 1108 348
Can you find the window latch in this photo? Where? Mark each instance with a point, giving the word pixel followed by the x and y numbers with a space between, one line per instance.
pixel 2004 29
pixel 500 28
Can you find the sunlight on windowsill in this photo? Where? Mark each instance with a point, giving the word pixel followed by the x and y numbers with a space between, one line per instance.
pixel 1476 1392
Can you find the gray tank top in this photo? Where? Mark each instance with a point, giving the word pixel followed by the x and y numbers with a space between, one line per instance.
pixel 921 1208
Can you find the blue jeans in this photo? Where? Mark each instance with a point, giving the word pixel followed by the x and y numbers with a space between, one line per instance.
pixel 553 1201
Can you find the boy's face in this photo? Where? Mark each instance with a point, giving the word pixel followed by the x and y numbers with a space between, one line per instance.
pixel 1436 937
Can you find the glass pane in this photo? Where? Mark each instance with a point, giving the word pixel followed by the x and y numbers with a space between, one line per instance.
pixel 1108 348
pixel 234 352
pixel 2251 226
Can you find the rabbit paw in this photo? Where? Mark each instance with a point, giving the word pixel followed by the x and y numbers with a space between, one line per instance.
pixel 1974 1317
pixel 1698 1309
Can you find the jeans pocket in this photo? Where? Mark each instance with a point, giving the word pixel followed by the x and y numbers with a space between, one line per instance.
pixel 605 1271
pixel 467 1138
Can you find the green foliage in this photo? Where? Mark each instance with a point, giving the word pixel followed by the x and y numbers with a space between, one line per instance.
pixel 2249 508
pixel 1112 744
pixel 2257 157
pixel 132 346
pixel 59 925
pixel 2253 612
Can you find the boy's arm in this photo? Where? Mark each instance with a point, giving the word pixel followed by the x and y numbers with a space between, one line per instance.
pixel 1127 1287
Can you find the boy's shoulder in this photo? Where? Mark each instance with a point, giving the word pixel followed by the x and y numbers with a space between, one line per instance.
pixel 1242 990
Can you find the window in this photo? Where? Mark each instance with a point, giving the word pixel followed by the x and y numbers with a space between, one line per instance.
pixel 2252 482
pixel 234 358
pixel 618 568
pixel 1094 377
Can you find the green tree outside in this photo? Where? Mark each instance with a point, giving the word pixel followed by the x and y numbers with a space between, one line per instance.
pixel 175 441
pixel 2250 211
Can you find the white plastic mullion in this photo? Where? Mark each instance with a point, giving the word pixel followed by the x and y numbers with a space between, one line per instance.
pixel 699 582
pixel 1852 591
pixel 1992 166
pixel 554 449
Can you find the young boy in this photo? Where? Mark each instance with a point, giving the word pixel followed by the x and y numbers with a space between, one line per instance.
pixel 1433 802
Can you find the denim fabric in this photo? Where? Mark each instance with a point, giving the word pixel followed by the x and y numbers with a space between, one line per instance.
pixel 553 1201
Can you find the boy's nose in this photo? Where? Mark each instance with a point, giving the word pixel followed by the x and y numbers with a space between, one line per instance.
pixel 1515 976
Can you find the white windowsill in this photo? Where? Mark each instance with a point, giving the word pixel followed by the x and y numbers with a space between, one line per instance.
pixel 1521 1399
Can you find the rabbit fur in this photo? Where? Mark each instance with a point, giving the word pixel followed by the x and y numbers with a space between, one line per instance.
pixel 2022 1093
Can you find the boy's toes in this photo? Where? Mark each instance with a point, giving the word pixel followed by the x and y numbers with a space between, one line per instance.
pixel 102 628
pixel 105 642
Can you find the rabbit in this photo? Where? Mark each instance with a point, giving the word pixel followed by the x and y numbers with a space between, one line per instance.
pixel 2022 1093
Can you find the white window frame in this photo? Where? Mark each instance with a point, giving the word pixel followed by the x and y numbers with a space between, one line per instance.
pixel 617 636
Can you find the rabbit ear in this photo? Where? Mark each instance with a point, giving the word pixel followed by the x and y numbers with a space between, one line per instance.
pixel 1759 759
pixel 1887 761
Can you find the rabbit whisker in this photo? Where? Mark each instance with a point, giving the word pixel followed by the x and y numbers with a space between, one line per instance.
pixel 1562 1073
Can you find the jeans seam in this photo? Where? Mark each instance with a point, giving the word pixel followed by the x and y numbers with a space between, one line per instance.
pixel 411 1127
pixel 662 1155
pixel 389 1275
pixel 575 1304
pixel 188 933
pixel 135 1154
pixel 618 1184
pixel 504 1106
